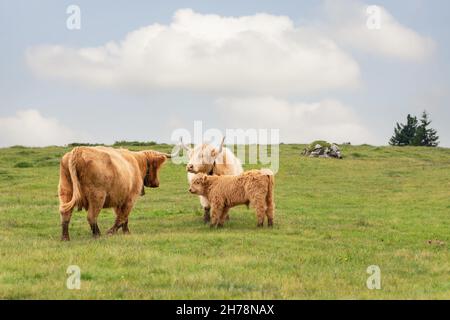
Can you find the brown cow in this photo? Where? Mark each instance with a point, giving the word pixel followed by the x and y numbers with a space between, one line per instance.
pixel 254 187
pixel 94 178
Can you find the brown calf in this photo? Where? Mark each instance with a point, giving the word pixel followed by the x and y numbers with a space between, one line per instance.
pixel 254 187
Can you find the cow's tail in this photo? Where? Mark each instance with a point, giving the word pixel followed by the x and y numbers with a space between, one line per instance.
pixel 270 203
pixel 76 189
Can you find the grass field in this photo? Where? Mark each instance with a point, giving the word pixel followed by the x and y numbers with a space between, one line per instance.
pixel 334 218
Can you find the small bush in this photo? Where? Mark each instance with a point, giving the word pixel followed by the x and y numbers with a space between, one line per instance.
pixel 321 142
pixel 25 152
pixel 313 144
pixel 358 155
pixel 48 163
pixel 134 143
pixel 81 144
pixel 23 165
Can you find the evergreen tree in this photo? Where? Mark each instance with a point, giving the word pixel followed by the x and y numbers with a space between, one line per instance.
pixel 426 136
pixel 414 134
pixel 405 134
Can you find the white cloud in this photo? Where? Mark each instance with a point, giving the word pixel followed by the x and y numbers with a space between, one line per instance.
pixel 298 122
pixel 347 23
pixel 30 128
pixel 254 54
pixel 257 57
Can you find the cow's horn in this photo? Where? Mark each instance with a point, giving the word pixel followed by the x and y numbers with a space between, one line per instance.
pixel 185 147
pixel 221 145
pixel 171 155
pixel 167 155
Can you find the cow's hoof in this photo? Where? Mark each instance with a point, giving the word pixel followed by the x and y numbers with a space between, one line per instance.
pixel 126 231
pixel 206 215
pixel 65 238
pixel 95 231
pixel 111 231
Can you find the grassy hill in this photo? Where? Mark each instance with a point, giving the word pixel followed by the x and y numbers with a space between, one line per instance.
pixel 334 218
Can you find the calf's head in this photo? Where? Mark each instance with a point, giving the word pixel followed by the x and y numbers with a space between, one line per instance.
pixel 154 161
pixel 199 184
pixel 202 157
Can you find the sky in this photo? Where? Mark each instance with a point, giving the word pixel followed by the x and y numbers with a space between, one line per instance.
pixel 332 70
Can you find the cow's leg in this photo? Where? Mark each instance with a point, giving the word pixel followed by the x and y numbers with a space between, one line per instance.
pixel 65 195
pixel 259 204
pixel 65 220
pixel 270 212
pixel 117 224
pixel 206 214
pixel 216 214
pixel 96 203
pixel 206 209
pixel 126 210
pixel 125 229
pixel 224 217
pixel 122 214
pixel 93 213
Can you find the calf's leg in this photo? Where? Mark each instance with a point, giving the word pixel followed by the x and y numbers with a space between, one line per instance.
pixel 269 213
pixel 224 217
pixel 259 204
pixel 206 209
pixel 216 214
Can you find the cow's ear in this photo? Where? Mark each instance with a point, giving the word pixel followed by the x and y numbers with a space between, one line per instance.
pixel 204 178
pixel 156 159
pixel 159 160
pixel 163 158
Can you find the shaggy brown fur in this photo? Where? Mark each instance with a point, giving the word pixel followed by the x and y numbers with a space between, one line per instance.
pixel 254 187
pixel 94 178
pixel 204 158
